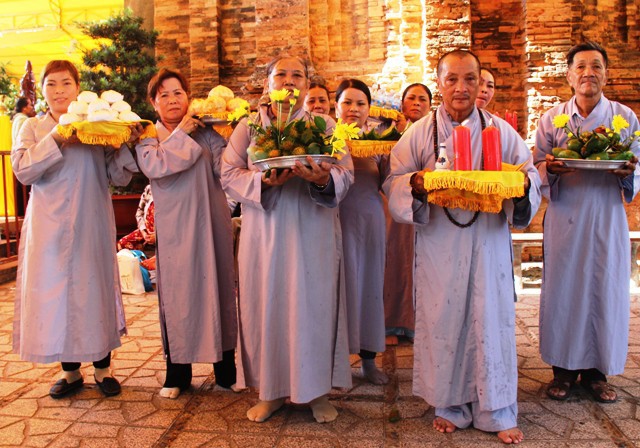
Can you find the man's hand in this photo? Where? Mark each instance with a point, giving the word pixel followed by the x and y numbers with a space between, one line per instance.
pixel 627 169
pixel 417 184
pixel 556 166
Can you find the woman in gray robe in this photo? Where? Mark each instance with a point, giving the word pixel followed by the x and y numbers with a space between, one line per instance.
pixel 194 240
pixel 68 305
pixel 292 310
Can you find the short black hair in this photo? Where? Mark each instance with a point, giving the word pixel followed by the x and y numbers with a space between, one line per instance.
pixel 587 46
pixel 459 53
pixel 353 84
pixel 417 84
pixel 319 85
pixel 21 104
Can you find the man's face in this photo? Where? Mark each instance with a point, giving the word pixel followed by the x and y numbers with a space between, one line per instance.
pixel 459 84
pixel 588 74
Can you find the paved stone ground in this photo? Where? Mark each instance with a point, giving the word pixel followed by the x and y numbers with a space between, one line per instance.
pixel 370 416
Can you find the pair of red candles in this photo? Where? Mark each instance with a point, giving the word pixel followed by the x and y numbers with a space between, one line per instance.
pixel 491 149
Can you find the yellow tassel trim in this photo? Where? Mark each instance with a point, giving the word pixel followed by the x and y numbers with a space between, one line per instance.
pixel 376 111
pixel 474 190
pixel 111 133
pixel 368 148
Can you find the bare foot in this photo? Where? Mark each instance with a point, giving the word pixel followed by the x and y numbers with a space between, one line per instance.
pixel 443 425
pixel 513 435
pixel 323 411
pixel 170 392
pixel 371 372
pixel 263 410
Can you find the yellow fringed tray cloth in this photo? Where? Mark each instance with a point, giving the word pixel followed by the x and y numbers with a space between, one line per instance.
pixel 368 148
pixel 481 191
pixel 112 133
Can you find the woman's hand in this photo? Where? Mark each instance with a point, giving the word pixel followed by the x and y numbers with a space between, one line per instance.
pixel 149 237
pixel 556 166
pixel 627 169
pixel 60 140
pixel 317 174
pixel 189 124
pixel 274 179
pixel 136 131
pixel 417 183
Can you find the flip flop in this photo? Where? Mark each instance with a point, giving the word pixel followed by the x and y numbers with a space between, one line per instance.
pixel 561 386
pixel 597 389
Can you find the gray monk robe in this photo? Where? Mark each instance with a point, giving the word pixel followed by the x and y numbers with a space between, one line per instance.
pixel 292 308
pixel 584 300
pixel 465 350
pixel 68 304
pixel 194 243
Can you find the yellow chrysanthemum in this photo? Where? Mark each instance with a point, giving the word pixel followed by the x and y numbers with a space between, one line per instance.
pixel 344 131
pixel 278 96
pixel 637 133
pixel 619 123
pixel 237 114
pixel 338 145
pixel 292 102
pixel 560 121
pixel 296 93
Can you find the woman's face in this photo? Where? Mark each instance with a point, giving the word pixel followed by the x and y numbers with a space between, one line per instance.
pixel 59 90
pixel 289 73
pixel 353 107
pixel 171 102
pixel 317 101
pixel 416 103
pixel 487 89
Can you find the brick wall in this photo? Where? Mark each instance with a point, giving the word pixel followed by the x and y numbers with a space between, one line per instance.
pixel 392 43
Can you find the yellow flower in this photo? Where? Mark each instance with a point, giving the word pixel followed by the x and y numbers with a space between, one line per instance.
pixel 278 96
pixel 338 145
pixel 237 114
pixel 637 133
pixel 296 93
pixel 344 131
pixel 292 102
pixel 560 121
pixel 618 123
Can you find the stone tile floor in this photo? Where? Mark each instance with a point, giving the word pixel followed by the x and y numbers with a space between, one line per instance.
pixel 370 416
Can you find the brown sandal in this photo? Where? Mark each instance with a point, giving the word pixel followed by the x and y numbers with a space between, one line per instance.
pixel 598 390
pixel 560 386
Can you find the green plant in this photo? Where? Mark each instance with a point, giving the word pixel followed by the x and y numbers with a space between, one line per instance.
pixel 8 88
pixel 124 60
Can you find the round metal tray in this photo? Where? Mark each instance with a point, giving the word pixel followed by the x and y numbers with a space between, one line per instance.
pixel 290 161
pixel 586 164
pixel 209 120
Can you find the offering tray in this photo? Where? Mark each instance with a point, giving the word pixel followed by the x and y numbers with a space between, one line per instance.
pixel 290 161
pixel 586 164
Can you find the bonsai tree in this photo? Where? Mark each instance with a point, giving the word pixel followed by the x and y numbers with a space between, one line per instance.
pixel 123 62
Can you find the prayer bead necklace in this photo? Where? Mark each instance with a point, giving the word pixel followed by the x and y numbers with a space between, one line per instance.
pixel 435 150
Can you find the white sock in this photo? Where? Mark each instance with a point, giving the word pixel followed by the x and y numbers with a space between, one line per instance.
pixel 101 374
pixel 170 392
pixel 71 376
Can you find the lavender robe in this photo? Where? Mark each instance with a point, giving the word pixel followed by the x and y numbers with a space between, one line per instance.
pixel 194 244
pixel 68 303
pixel 399 314
pixel 584 301
pixel 363 234
pixel 292 309
pixel 464 349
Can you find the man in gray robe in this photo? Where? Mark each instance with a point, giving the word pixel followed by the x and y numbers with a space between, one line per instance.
pixel 464 350
pixel 584 302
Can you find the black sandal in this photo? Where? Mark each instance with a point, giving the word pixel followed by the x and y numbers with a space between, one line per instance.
pixel 597 389
pixel 561 386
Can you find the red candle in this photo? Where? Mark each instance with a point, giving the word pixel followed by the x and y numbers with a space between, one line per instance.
pixel 514 119
pixel 492 149
pixel 507 117
pixel 462 149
